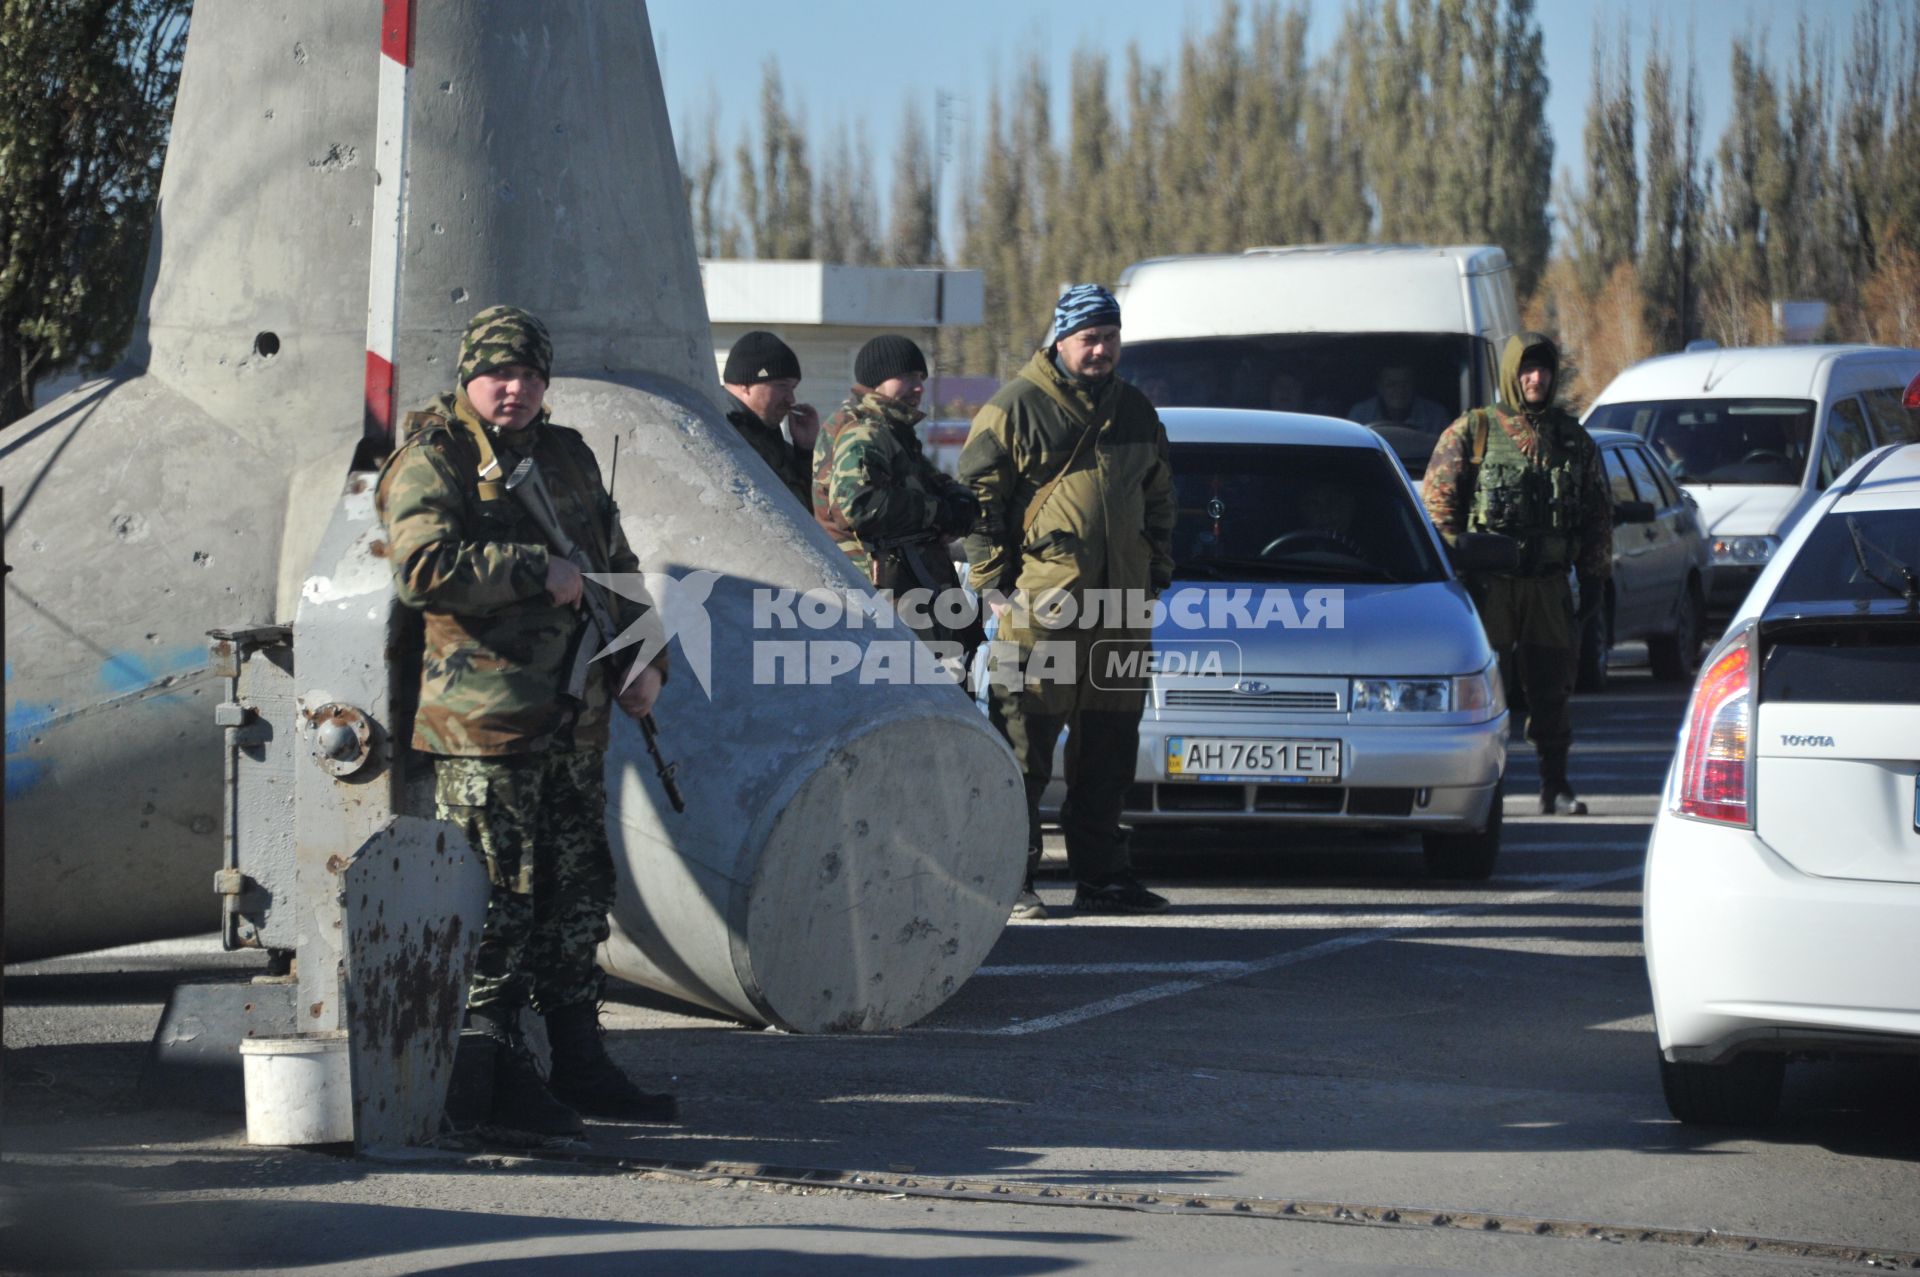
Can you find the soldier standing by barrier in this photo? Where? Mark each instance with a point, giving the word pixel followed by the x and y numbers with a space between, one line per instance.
pixel 885 504
pixel 1070 465
pixel 762 374
pixel 1528 470
pixel 515 765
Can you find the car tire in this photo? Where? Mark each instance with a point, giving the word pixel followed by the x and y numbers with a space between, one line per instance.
pixel 1596 643
pixel 1742 1091
pixel 1467 856
pixel 1675 656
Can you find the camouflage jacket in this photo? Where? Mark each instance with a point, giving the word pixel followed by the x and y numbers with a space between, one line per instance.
pixel 1548 439
pixel 782 457
pixel 1109 524
pixel 464 553
pixel 872 482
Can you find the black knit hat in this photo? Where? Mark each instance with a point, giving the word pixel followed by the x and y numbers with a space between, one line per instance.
pixel 760 356
pixel 886 356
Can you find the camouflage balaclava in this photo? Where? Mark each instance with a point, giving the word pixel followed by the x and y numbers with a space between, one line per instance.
pixel 502 335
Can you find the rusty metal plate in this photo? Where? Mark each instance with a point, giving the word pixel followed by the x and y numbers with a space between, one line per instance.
pixel 415 899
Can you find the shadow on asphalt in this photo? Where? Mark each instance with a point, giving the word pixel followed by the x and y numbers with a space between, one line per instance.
pixel 80 1226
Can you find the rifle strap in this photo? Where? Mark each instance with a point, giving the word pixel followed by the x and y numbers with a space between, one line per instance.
pixel 1039 501
pixel 487 472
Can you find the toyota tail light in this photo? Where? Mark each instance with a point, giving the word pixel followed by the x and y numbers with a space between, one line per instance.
pixel 1716 765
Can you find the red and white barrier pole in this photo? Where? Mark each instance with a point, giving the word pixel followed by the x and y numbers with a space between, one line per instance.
pixel 389 213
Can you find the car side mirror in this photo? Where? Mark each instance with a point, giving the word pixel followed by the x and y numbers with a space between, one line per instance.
pixel 1634 512
pixel 1473 553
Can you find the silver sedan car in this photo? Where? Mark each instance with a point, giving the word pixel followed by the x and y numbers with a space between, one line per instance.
pixel 1318 661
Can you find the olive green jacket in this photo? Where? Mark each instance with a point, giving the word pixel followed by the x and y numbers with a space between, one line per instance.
pixel 1107 525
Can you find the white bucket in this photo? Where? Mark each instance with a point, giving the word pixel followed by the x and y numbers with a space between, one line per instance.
pixel 299 1089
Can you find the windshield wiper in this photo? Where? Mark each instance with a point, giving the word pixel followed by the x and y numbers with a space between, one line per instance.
pixel 1860 547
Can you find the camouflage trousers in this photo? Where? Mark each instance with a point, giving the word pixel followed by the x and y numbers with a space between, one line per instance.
pixel 540 820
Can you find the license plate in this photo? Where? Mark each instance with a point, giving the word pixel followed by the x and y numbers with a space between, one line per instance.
pixel 1235 758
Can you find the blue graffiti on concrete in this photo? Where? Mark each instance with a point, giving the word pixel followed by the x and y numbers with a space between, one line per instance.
pixel 121 673
pixel 129 671
pixel 24 774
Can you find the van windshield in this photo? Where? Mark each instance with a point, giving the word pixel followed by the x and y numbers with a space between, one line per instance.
pixel 1417 380
pixel 1296 512
pixel 1720 440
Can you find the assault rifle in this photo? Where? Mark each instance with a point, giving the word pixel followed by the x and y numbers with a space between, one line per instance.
pixel 530 490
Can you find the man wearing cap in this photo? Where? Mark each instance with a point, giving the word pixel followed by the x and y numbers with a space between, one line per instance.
pixel 1070 466
pixel 882 500
pixel 516 765
pixel 1527 469
pixel 762 373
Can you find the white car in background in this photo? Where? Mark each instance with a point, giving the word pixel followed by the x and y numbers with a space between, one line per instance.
pixel 1783 875
pixel 1755 434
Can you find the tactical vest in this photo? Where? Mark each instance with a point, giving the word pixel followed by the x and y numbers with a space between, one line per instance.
pixel 1537 503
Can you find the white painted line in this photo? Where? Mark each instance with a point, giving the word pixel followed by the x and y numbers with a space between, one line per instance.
pixel 1292 957
pixel 1108 968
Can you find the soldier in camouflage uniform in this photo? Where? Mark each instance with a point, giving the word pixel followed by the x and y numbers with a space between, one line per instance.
pixel 762 374
pixel 880 498
pixel 1070 465
pixel 515 765
pixel 1528 470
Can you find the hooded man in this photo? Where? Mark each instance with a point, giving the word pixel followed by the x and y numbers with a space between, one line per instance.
pixel 1070 466
pixel 1526 469
pixel 881 499
pixel 762 373
pixel 516 765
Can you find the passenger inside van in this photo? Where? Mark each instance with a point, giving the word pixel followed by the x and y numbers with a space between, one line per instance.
pixel 1321 373
pixel 1395 403
pixel 1746 441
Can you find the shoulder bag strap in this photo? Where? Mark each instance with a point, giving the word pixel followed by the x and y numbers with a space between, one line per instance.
pixel 1040 498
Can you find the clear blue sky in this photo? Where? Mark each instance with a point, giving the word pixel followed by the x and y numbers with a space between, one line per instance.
pixel 845 61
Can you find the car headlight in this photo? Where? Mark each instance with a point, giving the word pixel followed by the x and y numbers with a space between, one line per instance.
pixel 1744 552
pixel 1401 695
pixel 1464 694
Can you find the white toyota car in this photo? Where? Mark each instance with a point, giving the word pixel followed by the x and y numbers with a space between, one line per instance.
pixel 1783 875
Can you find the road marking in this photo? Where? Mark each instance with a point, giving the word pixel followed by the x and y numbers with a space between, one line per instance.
pixel 1108 968
pixel 1273 962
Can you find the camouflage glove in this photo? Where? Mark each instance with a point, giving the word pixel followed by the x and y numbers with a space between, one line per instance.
pixel 1593 591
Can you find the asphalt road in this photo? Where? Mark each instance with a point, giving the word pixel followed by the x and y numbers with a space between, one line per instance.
pixel 1317 1061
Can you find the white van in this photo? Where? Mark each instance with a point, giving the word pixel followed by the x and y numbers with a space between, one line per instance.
pixel 1312 329
pixel 1755 434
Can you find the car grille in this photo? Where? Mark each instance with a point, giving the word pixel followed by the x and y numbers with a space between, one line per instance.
pixel 1228 699
pixel 1207 797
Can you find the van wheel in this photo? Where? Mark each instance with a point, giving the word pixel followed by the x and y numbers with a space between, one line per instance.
pixel 1743 1091
pixel 1596 642
pixel 1467 856
pixel 1676 655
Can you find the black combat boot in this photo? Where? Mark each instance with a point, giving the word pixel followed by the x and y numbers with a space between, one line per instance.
pixel 520 1102
pixel 585 1076
pixel 470 1089
pixel 1556 792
